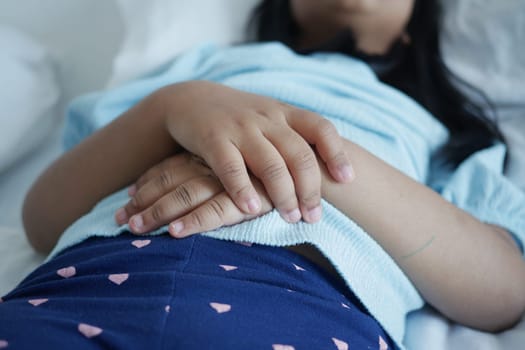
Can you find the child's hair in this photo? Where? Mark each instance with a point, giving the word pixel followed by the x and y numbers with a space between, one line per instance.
pixel 416 69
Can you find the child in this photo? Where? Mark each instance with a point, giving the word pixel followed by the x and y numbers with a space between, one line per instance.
pixel 393 241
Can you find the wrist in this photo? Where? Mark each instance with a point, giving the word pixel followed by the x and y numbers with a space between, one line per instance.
pixel 161 106
pixel 170 101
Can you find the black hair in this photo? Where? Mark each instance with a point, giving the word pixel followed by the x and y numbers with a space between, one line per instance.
pixel 416 68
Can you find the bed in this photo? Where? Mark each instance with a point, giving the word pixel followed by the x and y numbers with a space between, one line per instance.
pixel 75 47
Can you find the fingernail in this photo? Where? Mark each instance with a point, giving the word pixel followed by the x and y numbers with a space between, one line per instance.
pixel 121 216
pixel 177 227
pixel 132 190
pixel 253 205
pixel 293 215
pixel 314 214
pixel 137 222
pixel 346 172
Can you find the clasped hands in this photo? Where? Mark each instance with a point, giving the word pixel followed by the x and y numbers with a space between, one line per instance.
pixel 244 155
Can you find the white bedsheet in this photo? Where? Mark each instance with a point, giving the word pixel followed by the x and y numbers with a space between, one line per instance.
pixel 17 258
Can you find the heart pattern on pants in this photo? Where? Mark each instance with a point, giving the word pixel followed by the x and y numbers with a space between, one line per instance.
pixel 89 331
pixel 67 272
pixel 118 278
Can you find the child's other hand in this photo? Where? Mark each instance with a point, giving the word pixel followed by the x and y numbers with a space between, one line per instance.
pixel 182 191
pixel 237 132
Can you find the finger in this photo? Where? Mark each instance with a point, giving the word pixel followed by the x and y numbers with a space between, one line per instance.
pixel 220 211
pixel 170 163
pixel 184 198
pixel 217 212
pixel 320 132
pixel 161 180
pixel 147 194
pixel 304 168
pixel 268 165
pixel 228 165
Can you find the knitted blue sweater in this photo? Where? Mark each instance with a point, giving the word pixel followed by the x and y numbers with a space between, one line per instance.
pixel 367 112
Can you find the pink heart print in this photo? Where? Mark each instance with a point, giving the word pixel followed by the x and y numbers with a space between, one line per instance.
pixel 382 344
pixel 341 345
pixel 221 308
pixel 67 272
pixel 141 243
pixel 89 331
pixel 282 347
pixel 3 344
pixel 228 267
pixel 36 302
pixel 298 268
pixel 118 278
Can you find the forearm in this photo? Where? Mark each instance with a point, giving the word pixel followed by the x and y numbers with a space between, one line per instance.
pixel 110 159
pixel 222 125
pixel 461 266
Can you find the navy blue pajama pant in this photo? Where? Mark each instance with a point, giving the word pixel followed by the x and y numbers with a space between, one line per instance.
pixel 157 292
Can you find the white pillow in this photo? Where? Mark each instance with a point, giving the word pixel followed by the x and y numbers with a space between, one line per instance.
pixel 29 96
pixel 483 42
pixel 158 30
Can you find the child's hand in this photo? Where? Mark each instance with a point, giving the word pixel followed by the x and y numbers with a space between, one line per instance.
pixel 182 188
pixel 236 132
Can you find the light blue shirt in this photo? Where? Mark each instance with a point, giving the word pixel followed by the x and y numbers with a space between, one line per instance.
pixel 364 110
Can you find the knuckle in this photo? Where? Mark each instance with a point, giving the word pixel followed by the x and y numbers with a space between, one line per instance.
pixel 197 219
pixel 231 170
pixel 304 160
pixel 273 171
pixel 211 215
pixel 326 129
pixel 279 114
pixel 183 194
pixel 157 213
pixel 310 200
pixel 165 180
pixel 216 208
pixel 242 123
pixel 263 113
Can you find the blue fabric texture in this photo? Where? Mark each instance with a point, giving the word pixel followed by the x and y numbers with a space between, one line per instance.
pixel 192 294
pixel 379 118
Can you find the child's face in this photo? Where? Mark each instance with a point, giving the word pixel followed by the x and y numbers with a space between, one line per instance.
pixel 376 24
